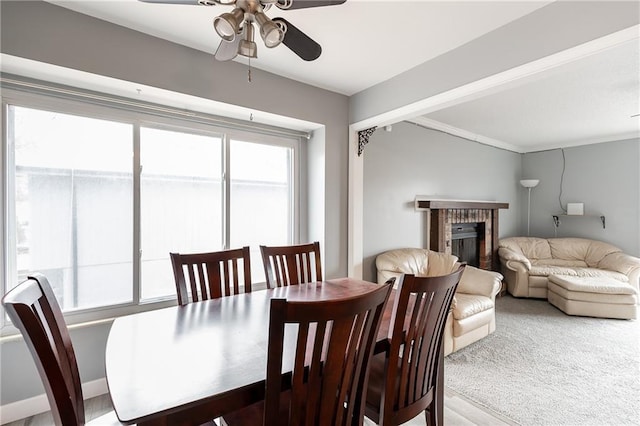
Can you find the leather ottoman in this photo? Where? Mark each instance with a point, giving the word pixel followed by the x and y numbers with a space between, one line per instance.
pixel 601 297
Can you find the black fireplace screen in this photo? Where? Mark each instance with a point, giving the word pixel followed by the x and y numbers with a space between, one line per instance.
pixel 465 242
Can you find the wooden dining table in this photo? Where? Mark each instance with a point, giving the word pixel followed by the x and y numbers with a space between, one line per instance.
pixel 190 364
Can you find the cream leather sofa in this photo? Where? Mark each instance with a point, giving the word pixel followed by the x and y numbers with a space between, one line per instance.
pixel 527 262
pixel 472 316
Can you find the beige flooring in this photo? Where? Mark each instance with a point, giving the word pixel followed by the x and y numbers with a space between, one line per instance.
pixel 459 411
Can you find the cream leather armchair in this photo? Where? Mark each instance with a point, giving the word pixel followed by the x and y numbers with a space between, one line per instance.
pixel 472 315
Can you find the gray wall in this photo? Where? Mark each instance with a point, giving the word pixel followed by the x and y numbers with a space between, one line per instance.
pixel 605 177
pixel 411 160
pixel 47 33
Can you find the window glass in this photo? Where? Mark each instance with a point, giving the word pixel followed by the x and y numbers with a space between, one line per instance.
pixel 181 203
pixel 261 198
pixel 73 198
pixel 73 207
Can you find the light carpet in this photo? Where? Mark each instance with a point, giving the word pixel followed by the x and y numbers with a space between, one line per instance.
pixel 542 367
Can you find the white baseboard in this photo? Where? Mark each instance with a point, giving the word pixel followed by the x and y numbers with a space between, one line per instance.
pixel 39 404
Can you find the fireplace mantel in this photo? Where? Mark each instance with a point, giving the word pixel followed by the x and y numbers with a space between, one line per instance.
pixel 426 203
pixel 444 213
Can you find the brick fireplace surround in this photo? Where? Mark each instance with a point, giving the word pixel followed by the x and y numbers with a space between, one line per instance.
pixel 445 213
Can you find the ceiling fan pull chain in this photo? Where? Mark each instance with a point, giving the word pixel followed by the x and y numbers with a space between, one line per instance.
pixel 249 71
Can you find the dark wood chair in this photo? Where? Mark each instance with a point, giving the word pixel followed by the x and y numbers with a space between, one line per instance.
pixel 34 310
pixel 333 348
pixel 211 275
pixel 288 265
pixel 407 378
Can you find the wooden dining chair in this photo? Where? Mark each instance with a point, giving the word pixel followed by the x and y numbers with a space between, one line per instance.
pixel 329 345
pixel 34 310
pixel 211 275
pixel 407 378
pixel 288 265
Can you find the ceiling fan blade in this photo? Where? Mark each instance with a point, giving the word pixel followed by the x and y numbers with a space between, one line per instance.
pixel 299 43
pixel 187 2
pixel 227 50
pixel 302 4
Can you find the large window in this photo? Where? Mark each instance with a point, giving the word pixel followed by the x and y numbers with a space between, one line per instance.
pixel 181 194
pixel 97 202
pixel 72 209
pixel 261 210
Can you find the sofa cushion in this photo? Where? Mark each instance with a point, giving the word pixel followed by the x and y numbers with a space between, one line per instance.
pixel 480 281
pixel 560 262
pixel 589 251
pixel 531 247
pixel 599 285
pixel 545 270
pixel 441 264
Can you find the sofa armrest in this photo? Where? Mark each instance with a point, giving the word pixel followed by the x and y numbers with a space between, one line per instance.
pixel 480 281
pixel 509 256
pixel 620 262
pixel 625 264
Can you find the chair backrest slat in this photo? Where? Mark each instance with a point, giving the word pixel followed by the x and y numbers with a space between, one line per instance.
pixel 334 344
pixel 215 283
pixel 290 265
pixel 211 275
pixel 34 310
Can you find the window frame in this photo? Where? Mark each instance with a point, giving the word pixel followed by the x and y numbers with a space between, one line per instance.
pixel 137 119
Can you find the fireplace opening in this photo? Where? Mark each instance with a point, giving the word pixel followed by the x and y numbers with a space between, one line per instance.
pixel 465 242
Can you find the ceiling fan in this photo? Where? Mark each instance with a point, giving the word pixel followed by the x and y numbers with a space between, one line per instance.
pixel 236 28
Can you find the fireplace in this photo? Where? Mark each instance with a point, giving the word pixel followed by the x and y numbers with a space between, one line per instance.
pixel 475 224
pixel 465 242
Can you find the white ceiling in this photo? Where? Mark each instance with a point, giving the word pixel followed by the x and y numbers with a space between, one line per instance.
pixel 366 42
pixel 589 100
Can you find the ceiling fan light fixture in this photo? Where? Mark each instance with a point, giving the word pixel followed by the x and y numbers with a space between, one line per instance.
pixel 248 49
pixel 227 25
pixel 270 32
pixel 247 46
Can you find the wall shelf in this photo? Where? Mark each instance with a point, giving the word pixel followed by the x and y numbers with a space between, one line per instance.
pixel 556 218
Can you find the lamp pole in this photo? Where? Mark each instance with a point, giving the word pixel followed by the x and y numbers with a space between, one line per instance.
pixel 529 211
pixel 529 184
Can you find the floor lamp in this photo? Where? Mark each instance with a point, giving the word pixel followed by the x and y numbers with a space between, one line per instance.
pixel 529 183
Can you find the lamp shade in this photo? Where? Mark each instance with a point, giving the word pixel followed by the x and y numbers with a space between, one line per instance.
pixel 269 31
pixel 529 183
pixel 227 25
